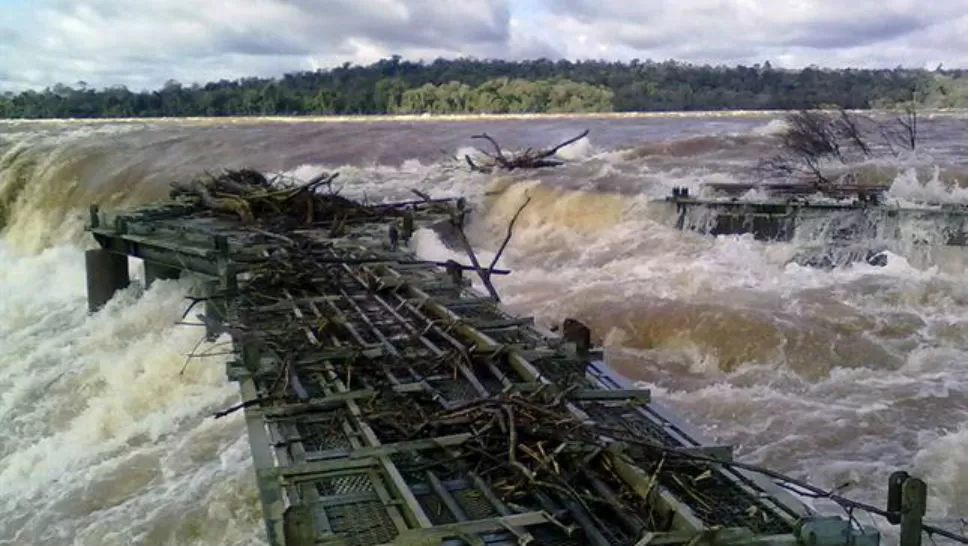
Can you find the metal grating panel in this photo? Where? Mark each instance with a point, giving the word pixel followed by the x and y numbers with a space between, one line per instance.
pixel 474 504
pixel 457 390
pixel 548 535
pixel 343 485
pixel 436 509
pixel 320 436
pixel 561 369
pixel 632 421
pixel 362 524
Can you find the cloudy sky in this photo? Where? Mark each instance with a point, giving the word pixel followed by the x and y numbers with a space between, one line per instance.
pixel 144 43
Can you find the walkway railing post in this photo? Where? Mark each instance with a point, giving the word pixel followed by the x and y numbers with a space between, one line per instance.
pixel 912 510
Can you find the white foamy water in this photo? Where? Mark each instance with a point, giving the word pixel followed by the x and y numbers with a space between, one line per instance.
pixel 103 441
pixel 907 188
pixel 835 376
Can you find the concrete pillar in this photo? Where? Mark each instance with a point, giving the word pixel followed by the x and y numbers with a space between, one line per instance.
pixel 155 271
pixel 214 309
pixel 107 272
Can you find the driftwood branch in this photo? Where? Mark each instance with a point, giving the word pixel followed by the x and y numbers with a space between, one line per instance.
pixel 253 199
pixel 470 252
pixel 322 179
pixel 228 203
pixel 528 159
pixel 243 405
pixel 498 149
pixel 472 165
pixel 485 274
pixel 189 356
pixel 508 234
pixel 424 197
pixel 561 145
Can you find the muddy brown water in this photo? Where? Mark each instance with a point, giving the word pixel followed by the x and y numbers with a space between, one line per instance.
pixel 834 376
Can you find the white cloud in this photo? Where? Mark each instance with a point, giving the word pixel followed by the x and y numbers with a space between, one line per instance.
pixel 110 42
pixel 863 33
pixel 142 44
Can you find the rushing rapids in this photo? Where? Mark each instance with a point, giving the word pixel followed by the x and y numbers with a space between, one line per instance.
pixel 839 376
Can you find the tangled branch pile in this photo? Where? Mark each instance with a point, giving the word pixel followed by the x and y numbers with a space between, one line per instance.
pixel 815 138
pixel 529 159
pixel 254 199
pixel 528 446
pixel 521 444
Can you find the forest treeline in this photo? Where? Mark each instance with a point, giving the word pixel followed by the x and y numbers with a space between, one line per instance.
pixel 474 86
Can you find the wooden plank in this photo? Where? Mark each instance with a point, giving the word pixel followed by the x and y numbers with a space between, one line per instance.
pixel 721 452
pixel 647 488
pixel 504 323
pixel 723 536
pixel 384 450
pixel 315 404
pixel 270 491
pixel 601 395
pixel 312 469
pixel 469 528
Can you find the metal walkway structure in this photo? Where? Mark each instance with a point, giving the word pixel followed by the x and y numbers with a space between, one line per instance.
pixel 787 213
pixel 387 402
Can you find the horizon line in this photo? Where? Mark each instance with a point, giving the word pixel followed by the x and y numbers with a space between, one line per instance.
pixel 426 62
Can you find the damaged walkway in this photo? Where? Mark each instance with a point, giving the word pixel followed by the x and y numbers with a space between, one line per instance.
pixel 389 403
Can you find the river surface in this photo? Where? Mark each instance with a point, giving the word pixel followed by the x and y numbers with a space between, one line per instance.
pixel 835 376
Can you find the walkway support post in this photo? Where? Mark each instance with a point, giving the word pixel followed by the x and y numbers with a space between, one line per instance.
pixel 107 273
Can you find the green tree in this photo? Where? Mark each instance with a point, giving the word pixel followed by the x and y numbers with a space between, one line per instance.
pixel 496 86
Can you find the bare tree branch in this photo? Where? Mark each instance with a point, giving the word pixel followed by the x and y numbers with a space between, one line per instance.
pixel 561 145
pixel 529 159
pixel 813 137
pixel 425 197
pixel 908 124
pixel 508 234
pixel 848 127
pixel 498 149
pixel 473 166
pixel 470 252
pixel 485 274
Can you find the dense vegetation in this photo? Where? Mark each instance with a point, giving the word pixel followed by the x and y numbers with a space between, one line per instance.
pixel 505 95
pixel 465 85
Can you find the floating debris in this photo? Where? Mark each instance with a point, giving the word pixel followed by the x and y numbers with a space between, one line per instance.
pixel 528 159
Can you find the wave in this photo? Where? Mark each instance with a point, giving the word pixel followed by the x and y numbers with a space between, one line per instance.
pixel 49 177
pixel 617 261
pixel 942 462
pixel 929 185
pixel 105 440
pixel 694 146
pixel 774 127
pixel 825 373
pixel 45 186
